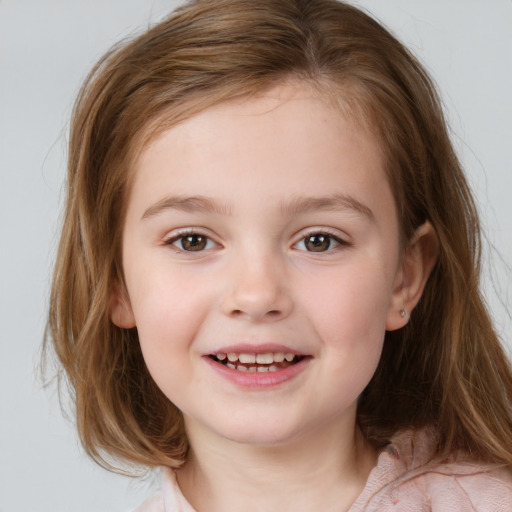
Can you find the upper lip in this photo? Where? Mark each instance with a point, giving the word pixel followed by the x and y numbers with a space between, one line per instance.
pixel 256 348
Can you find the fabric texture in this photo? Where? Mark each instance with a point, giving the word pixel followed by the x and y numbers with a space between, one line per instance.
pixel 406 478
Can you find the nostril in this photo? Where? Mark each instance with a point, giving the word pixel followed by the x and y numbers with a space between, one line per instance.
pixel 272 313
pixel 257 302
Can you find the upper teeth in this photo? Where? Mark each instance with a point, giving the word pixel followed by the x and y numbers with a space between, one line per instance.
pixel 266 358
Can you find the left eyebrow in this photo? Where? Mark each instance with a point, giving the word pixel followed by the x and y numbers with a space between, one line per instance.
pixel 327 203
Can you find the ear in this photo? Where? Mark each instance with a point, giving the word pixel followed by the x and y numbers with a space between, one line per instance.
pixel 120 309
pixel 418 261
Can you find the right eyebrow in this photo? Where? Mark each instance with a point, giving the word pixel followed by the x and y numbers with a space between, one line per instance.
pixel 189 204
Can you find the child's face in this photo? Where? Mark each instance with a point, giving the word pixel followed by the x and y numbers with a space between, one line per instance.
pixel 262 226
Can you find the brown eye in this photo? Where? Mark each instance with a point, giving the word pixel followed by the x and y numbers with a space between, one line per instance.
pixel 317 242
pixel 193 242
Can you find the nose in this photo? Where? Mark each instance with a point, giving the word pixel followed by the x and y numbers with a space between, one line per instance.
pixel 257 290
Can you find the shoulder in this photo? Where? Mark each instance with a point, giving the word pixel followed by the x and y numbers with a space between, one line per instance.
pixel 408 477
pixel 153 504
pixel 168 499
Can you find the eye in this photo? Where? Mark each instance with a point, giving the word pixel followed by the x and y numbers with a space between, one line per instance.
pixel 192 242
pixel 319 242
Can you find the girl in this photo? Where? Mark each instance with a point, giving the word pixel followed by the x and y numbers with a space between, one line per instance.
pixel 267 281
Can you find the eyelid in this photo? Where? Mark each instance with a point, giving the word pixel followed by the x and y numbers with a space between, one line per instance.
pixel 335 234
pixel 170 238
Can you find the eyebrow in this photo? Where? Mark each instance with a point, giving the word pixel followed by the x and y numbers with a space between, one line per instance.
pixel 297 206
pixel 332 202
pixel 189 204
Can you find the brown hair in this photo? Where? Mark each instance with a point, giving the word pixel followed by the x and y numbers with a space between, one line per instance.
pixel 446 367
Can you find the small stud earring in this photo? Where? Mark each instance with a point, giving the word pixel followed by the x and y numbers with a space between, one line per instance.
pixel 404 314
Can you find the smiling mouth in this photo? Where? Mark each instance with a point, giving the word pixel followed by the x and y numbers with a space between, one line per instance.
pixel 257 363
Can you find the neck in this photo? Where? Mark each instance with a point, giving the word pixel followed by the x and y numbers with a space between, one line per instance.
pixel 315 472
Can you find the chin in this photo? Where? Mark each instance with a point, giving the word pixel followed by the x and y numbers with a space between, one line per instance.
pixel 270 433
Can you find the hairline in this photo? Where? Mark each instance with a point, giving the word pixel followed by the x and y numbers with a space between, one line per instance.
pixel 338 95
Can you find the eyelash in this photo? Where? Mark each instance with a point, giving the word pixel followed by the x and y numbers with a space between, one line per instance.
pixel 323 234
pixel 326 234
pixel 171 241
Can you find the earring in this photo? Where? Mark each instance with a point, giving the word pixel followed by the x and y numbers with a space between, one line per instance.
pixel 404 314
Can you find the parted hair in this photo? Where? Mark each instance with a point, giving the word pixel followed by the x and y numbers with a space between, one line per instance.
pixel 445 368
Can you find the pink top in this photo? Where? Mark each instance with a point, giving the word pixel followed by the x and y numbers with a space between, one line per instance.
pixel 405 479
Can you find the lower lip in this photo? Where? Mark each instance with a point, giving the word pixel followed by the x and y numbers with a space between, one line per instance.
pixel 259 380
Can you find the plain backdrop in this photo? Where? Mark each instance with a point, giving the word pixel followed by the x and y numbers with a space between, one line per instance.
pixel 46 49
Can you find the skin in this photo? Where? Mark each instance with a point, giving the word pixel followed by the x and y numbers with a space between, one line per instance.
pixel 259 162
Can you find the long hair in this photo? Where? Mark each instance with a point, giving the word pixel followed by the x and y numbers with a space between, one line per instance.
pixel 445 368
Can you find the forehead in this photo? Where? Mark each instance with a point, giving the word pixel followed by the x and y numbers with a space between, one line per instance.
pixel 291 137
pixel 345 99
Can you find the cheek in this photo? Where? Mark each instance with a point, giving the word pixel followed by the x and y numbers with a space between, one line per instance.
pixel 166 329
pixel 348 311
pixel 166 315
pixel 351 305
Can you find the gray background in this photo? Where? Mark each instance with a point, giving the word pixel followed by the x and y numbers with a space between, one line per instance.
pixel 46 48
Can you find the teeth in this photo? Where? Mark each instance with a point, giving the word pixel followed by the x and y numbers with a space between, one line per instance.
pixel 247 358
pixel 278 357
pixel 265 358
pixel 253 369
